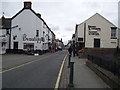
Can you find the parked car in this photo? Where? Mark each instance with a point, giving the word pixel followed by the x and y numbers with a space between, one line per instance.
pixel 30 52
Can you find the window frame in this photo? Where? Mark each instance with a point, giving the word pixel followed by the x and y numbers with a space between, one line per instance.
pixel 113 33
pixel 37 33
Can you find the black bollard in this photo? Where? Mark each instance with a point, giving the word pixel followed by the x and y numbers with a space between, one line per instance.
pixel 69 61
pixel 71 75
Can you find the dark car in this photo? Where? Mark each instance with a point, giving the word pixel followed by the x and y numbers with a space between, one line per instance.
pixel 30 52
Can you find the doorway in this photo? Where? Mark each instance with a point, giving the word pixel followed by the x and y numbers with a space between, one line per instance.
pixel 96 43
pixel 15 45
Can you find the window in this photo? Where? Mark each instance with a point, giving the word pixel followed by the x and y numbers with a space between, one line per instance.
pixel 24 46
pixel 37 33
pixel 3 44
pixel 7 31
pixel 113 33
pixel 80 39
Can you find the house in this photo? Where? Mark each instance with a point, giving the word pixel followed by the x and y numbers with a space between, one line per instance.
pixel 30 31
pixel 96 32
pixel 119 24
pixel 59 44
pixel 5 26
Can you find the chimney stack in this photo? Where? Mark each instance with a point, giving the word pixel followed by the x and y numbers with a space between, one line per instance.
pixel 27 5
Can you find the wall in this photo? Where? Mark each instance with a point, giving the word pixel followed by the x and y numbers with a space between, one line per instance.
pixel 105 33
pixel 27 23
pixel 119 23
pixel 81 31
pixel 3 38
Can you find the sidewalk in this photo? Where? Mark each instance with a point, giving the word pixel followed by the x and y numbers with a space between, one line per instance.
pixel 84 77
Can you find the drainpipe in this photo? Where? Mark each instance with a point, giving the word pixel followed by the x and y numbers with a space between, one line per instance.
pixel 84 34
pixel 10 39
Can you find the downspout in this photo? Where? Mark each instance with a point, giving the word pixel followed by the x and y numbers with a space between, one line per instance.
pixel 84 34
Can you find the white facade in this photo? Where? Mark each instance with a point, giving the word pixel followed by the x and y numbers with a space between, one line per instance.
pixel 4 41
pixel 32 32
pixel 96 32
pixel 119 24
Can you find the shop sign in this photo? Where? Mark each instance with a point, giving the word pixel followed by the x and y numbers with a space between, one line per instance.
pixel 93 30
pixel 25 38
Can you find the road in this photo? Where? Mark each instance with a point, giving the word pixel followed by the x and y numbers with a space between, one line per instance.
pixel 42 73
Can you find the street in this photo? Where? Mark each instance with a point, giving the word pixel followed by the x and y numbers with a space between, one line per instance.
pixel 39 73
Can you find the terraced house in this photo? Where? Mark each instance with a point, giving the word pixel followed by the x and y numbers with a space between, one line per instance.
pixel 29 31
pixel 5 26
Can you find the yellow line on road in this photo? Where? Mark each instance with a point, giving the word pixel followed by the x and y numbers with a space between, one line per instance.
pixel 18 66
pixel 59 75
pixel 21 65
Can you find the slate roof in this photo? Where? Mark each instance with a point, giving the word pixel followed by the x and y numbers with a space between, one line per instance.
pixel 5 23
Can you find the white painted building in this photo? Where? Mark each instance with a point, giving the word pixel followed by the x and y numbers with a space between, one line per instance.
pixel 119 24
pixel 5 25
pixel 96 32
pixel 3 41
pixel 32 32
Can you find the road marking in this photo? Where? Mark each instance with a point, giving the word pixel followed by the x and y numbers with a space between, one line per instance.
pixel 59 75
pixel 21 65
pixel 18 66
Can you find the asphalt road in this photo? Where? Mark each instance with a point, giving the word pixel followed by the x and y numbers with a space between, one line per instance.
pixel 42 73
pixel 11 60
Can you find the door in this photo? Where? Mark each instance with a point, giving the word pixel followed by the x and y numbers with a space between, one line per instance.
pixel 96 43
pixel 15 45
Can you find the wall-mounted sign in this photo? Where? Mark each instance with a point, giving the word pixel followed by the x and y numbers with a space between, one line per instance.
pixel 14 37
pixel 25 38
pixel 93 30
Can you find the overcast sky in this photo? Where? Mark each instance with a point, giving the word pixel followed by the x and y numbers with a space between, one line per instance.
pixel 62 15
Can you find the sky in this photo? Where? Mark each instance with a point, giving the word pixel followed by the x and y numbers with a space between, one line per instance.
pixel 62 15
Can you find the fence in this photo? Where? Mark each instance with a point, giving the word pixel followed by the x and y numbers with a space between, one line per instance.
pixel 108 64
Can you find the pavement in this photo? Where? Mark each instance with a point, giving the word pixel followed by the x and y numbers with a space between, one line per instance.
pixel 84 77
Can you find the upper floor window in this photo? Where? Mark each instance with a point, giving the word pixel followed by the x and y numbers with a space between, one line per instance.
pixel 113 33
pixel 80 39
pixel 7 31
pixel 37 33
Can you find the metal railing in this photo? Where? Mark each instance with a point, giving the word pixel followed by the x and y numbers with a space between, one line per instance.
pixel 108 64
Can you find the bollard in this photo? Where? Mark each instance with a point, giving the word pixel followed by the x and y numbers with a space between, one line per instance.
pixel 71 75
pixel 69 61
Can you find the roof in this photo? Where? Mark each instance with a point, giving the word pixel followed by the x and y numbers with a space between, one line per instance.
pixel 37 14
pixel 95 15
pixel 100 16
pixel 5 23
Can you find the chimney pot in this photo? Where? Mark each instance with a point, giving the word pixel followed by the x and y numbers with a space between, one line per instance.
pixel 27 5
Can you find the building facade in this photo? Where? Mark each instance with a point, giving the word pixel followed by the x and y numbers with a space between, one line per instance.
pixel 29 31
pixel 5 26
pixel 96 32
pixel 119 24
